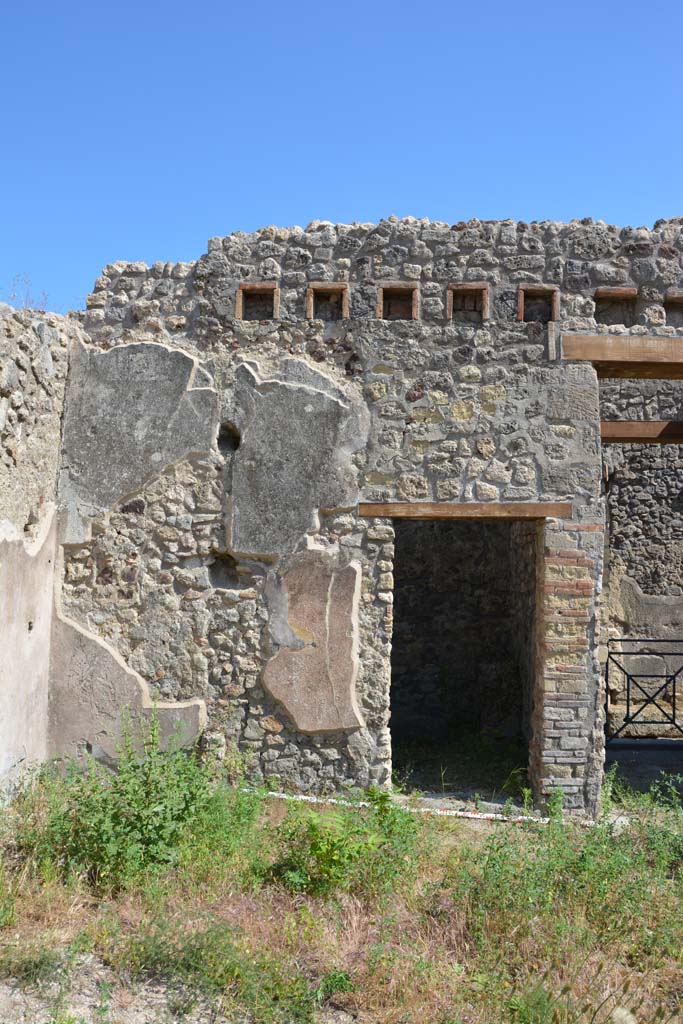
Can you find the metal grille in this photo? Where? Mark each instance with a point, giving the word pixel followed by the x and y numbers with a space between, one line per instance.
pixel 648 670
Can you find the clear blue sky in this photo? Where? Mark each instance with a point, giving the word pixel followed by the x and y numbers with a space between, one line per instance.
pixel 137 130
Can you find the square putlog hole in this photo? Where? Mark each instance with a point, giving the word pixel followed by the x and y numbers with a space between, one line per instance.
pixel 616 306
pixel 258 305
pixel 327 306
pixel 469 305
pixel 327 302
pixel 673 308
pixel 538 305
pixel 398 304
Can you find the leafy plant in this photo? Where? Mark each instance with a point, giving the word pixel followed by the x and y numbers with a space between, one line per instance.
pixel 331 983
pixel 151 812
pixel 346 848
pixel 31 963
pixel 7 900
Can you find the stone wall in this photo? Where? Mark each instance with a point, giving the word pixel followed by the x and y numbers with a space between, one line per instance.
pixel 525 575
pixel 567 727
pixel 26 583
pixel 645 514
pixel 33 365
pixel 333 411
pixel 644 565
pixel 41 713
pixel 212 465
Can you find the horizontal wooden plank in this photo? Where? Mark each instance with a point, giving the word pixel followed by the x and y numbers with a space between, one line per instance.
pixel 639 371
pixel 465 510
pixel 641 432
pixel 622 355
pixel 616 292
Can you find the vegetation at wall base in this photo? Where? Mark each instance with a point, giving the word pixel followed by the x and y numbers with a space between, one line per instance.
pixel 166 872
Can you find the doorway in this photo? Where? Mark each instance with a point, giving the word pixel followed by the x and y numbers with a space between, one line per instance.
pixel 464 655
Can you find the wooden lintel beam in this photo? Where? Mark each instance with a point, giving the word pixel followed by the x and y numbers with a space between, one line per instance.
pixel 465 510
pixel 641 432
pixel 639 371
pixel 616 292
pixel 624 355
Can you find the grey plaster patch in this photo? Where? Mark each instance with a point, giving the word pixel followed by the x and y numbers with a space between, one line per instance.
pixel 298 434
pixel 650 614
pixel 129 413
pixel 314 616
pixel 91 693
pixel 26 575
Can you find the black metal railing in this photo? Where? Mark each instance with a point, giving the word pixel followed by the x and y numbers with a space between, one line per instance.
pixel 645 688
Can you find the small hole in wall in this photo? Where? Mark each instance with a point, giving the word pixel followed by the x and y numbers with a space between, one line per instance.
pixel 327 305
pixel 615 310
pixel 30 625
pixel 468 305
pixel 538 306
pixel 674 312
pixel 258 305
pixel 397 304
pixel 223 571
pixel 135 507
pixel 228 438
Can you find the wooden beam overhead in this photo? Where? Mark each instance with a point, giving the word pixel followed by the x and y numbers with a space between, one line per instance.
pixel 623 355
pixel 641 432
pixel 465 510
pixel 617 292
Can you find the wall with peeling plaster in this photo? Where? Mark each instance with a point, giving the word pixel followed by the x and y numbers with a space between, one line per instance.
pixel 26 584
pixel 211 555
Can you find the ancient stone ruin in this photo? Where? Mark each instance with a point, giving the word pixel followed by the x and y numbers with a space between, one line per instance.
pixel 326 490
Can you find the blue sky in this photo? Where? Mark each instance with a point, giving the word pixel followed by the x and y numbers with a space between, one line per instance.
pixel 138 130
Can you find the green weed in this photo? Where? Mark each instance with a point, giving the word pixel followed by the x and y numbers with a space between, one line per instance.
pixel 331 983
pixel 158 809
pixel 212 962
pixel 31 963
pixel 346 848
pixel 7 900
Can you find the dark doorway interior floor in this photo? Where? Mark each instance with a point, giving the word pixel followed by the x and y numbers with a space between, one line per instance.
pixel 463 656
pixel 467 767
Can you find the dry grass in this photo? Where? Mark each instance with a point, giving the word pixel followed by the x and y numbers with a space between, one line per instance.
pixel 495 923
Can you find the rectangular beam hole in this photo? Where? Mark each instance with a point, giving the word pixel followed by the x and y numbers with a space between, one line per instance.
pixel 468 306
pixel 258 304
pixel 615 306
pixel 398 304
pixel 327 305
pixel 674 312
pixel 538 305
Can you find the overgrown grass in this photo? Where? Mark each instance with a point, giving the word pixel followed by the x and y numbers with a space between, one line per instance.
pixel 369 853
pixel 213 961
pixel 165 871
pixel 159 809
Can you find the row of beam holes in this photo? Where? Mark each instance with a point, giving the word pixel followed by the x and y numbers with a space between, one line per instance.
pixel 397 304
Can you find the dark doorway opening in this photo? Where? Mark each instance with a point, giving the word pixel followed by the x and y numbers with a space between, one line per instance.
pixel 464 656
